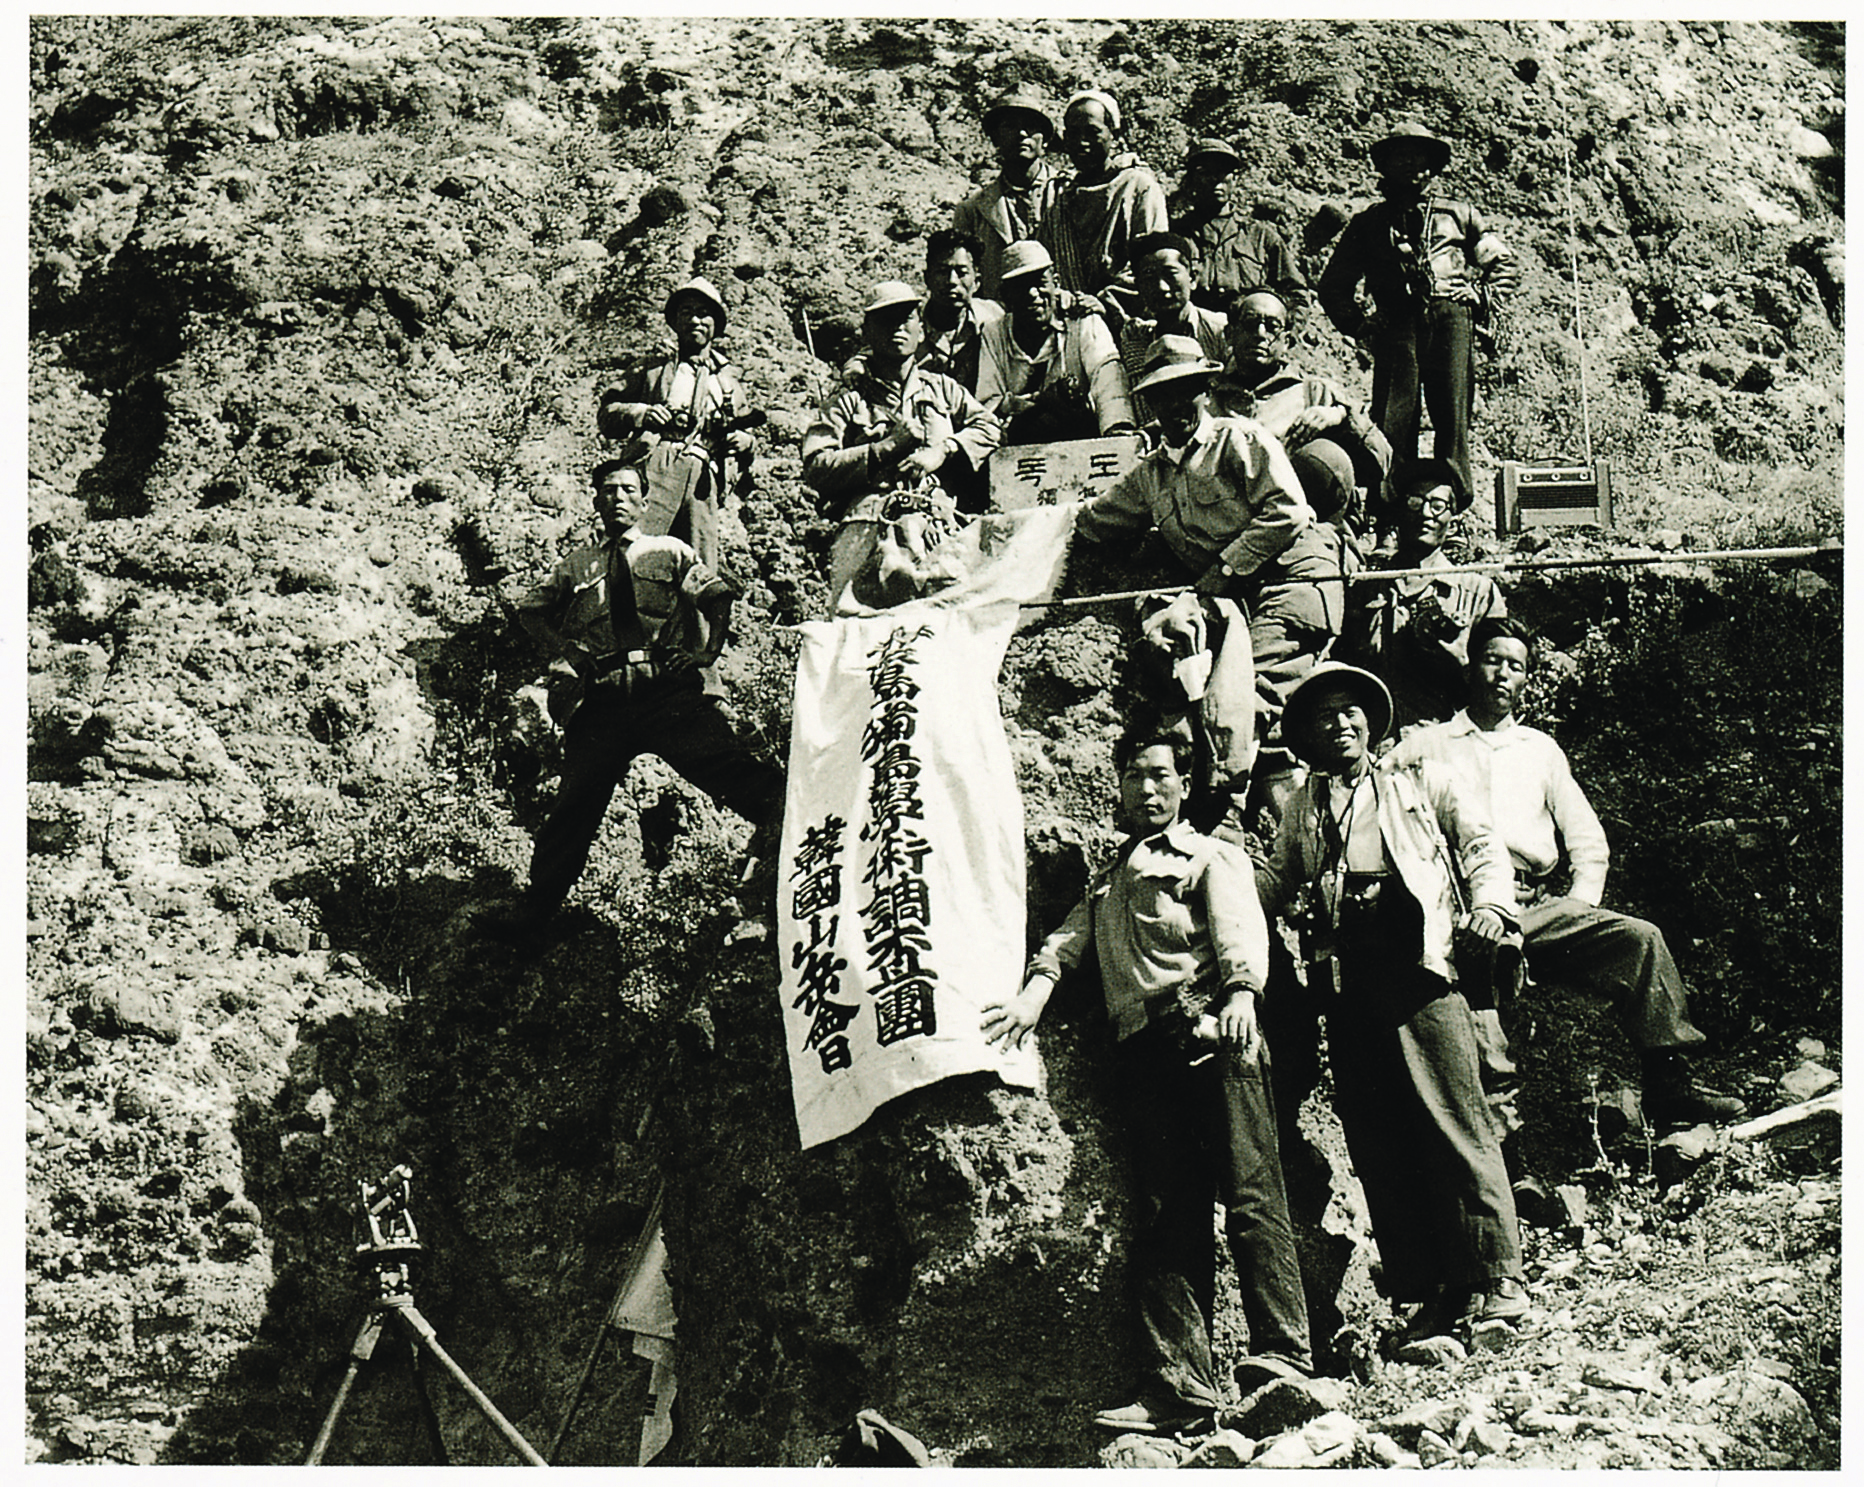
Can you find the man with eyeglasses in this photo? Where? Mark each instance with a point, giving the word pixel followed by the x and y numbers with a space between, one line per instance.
pixel 1413 633
pixel 1333 444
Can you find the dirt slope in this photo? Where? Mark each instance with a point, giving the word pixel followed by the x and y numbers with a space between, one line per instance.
pixel 306 294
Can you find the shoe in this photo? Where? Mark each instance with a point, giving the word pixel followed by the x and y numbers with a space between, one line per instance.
pixel 1673 1099
pixel 1439 1314
pixel 1506 1300
pixel 1265 1368
pixel 1156 1417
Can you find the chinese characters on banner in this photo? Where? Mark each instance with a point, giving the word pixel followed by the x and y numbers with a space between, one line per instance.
pixel 900 897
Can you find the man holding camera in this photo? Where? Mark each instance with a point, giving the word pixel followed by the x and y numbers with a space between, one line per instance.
pixel 691 408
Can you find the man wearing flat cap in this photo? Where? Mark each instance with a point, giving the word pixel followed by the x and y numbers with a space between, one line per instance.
pixel 1235 248
pixel 1050 373
pixel 1009 209
pixel 689 407
pixel 1368 865
pixel 1229 506
pixel 1436 275
pixel 1090 223
pixel 883 453
pixel 1332 442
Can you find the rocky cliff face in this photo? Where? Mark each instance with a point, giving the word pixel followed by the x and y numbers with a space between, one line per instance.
pixel 306 295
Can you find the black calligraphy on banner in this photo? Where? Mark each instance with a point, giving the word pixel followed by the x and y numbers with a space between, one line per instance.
pixel 896 919
pixel 815 905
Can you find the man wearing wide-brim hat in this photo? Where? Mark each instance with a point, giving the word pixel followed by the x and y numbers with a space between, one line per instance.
pixel 1049 370
pixel 1235 247
pixel 882 451
pixel 1437 276
pixel 1009 208
pixel 690 407
pixel 1227 503
pixel 1362 866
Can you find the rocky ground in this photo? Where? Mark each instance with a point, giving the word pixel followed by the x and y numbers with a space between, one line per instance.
pixel 306 295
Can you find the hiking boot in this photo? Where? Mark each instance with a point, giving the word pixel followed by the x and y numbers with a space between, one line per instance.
pixel 1673 1099
pixel 1265 1368
pixel 1439 1314
pixel 1157 1417
pixel 1506 1300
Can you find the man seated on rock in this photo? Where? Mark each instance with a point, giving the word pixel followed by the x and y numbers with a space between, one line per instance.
pixel 880 453
pixel 1181 948
pixel 1235 248
pixel 1413 633
pixel 629 622
pixel 1558 850
pixel 692 403
pixel 1362 867
pixel 1331 441
pixel 1049 373
pixel 1009 209
pixel 1092 218
pixel 1164 267
pixel 1227 503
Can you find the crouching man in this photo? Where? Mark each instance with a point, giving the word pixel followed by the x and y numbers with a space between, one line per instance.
pixel 630 622
pixel 1182 950
pixel 1362 863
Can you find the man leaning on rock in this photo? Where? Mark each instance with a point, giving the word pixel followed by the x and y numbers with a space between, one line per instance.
pixel 1173 926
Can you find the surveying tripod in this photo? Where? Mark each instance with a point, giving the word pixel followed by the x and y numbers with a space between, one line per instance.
pixel 387 1245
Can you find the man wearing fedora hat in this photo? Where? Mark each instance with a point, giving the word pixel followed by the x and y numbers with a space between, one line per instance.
pixel 1436 275
pixel 1234 246
pixel 1049 373
pixel 1363 864
pixel 1559 855
pixel 690 407
pixel 1010 208
pixel 1229 506
pixel 884 450
pixel 1333 444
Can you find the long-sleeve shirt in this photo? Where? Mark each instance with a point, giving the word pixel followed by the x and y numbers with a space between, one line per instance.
pixel 1238 251
pixel 706 387
pixel 1427 816
pixel 666 620
pixel 838 456
pixel 1277 397
pixel 956 350
pixel 1536 804
pixel 1230 496
pixel 1394 251
pixel 997 215
pixel 1088 228
pixel 1414 632
pixel 1079 347
pixel 1173 916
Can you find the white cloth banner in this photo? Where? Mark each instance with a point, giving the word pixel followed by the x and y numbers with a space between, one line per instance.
pixel 900 901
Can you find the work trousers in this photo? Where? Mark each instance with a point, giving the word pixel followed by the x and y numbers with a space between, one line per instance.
pixel 1407 1086
pixel 1430 353
pixel 673 719
pixel 1198 1133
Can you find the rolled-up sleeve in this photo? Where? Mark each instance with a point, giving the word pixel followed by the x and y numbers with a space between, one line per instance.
pixel 1238 930
pixel 1068 946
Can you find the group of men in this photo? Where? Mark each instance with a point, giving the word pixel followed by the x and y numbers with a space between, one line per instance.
pixel 1071 304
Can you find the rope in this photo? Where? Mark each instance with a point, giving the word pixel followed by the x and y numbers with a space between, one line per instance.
pixel 1499 565
pixel 1579 320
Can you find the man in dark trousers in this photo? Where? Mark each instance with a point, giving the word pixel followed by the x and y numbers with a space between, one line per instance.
pixel 690 408
pixel 629 622
pixel 1559 853
pixel 1362 864
pixel 1436 275
pixel 1182 949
